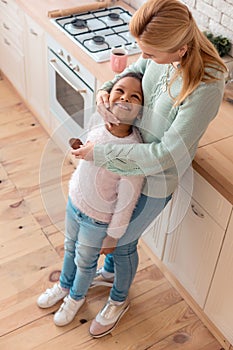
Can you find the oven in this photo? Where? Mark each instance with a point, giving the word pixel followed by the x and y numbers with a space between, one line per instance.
pixel 71 95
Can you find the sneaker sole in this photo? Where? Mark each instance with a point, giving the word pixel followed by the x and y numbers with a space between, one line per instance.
pixel 115 324
pixel 101 283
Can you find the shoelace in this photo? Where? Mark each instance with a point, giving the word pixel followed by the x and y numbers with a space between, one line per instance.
pixel 109 309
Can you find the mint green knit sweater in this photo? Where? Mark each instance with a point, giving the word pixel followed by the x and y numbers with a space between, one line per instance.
pixel 170 134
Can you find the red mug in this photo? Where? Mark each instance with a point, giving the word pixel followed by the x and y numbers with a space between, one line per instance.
pixel 118 59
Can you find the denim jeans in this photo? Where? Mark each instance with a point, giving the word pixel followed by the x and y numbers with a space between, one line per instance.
pixel 124 260
pixel 83 240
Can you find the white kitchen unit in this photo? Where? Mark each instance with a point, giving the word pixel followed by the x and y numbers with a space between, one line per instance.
pixel 71 95
pixel 12 44
pixel 195 235
pixel 219 305
pixel 155 235
pixel 36 70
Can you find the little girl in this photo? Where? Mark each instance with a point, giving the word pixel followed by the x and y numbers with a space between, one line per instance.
pixel 99 207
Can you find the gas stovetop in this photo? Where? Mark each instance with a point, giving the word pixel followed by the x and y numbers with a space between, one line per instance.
pixel 96 32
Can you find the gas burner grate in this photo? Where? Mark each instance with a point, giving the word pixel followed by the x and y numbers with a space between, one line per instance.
pixel 79 23
pixel 108 25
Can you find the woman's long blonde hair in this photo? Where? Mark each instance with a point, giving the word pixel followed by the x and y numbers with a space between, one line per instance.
pixel 168 25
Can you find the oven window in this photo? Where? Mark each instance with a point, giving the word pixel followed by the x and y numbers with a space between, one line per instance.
pixel 70 100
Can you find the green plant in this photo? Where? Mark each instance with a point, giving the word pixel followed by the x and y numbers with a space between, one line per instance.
pixel 221 43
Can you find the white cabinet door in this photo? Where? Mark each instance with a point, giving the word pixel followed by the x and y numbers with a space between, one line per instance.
pixel 12 45
pixel 155 235
pixel 192 248
pixel 12 64
pixel 219 305
pixel 36 70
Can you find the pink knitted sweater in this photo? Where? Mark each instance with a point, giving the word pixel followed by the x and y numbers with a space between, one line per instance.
pixel 103 195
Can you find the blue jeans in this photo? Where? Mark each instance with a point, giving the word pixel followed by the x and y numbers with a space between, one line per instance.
pixel 124 260
pixel 83 240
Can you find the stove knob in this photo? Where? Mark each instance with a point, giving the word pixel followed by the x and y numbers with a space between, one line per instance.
pixel 134 45
pixel 60 52
pixel 76 68
pixel 69 60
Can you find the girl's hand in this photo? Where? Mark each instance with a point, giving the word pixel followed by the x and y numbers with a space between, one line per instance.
pixel 102 101
pixel 85 151
pixel 109 245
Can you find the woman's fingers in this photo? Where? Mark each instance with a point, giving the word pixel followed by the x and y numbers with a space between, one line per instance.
pixel 85 151
pixel 107 116
pixel 102 98
pixel 102 101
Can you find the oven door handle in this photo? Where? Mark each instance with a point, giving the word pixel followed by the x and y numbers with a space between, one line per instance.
pixel 52 63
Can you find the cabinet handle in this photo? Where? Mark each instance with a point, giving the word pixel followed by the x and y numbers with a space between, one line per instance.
pixel 197 212
pixel 33 32
pixel 52 63
pixel 7 42
pixel 5 26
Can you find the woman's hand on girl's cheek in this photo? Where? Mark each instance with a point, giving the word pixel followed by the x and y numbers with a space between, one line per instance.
pixel 102 101
pixel 85 151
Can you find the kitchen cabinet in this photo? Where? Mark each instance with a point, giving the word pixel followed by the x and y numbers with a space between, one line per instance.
pixel 36 70
pixel 195 234
pixel 219 304
pixel 155 235
pixel 12 61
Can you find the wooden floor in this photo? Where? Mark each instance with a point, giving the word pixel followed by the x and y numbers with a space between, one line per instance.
pixel 33 189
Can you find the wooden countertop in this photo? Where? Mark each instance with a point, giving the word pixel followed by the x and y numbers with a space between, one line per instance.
pixel 214 157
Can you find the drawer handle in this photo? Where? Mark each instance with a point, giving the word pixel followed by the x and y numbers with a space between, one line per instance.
pixel 197 212
pixel 4 1
pixel 52 63
pixel 33 32
pixel 5 26
pixel 7 42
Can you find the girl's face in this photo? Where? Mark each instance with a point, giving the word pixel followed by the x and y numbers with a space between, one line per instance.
pixel 126 99
pixel 160 57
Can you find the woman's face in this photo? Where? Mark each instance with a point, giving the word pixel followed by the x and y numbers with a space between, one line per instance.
pixel 160 57
pixel 126 99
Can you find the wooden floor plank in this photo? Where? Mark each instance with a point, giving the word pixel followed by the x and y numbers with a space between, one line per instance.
pixel 18 300
pixel 22 245
pixel 141 336
pixel 188 338
pixel 12 204
pixel 8 96
pixel 30 263
pixel 14 228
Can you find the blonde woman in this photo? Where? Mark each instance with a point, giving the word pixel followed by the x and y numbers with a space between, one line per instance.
pixel 183 80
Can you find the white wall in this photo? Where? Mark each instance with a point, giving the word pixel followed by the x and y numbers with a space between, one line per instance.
pixel 213 15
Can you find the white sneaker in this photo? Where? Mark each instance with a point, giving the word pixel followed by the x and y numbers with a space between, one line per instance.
pixel 67 311
pixel 51 296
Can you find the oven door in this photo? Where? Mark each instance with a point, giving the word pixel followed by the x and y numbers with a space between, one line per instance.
pixel 71 101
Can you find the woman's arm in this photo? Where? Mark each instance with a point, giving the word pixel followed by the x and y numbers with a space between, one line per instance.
pixel 178 144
